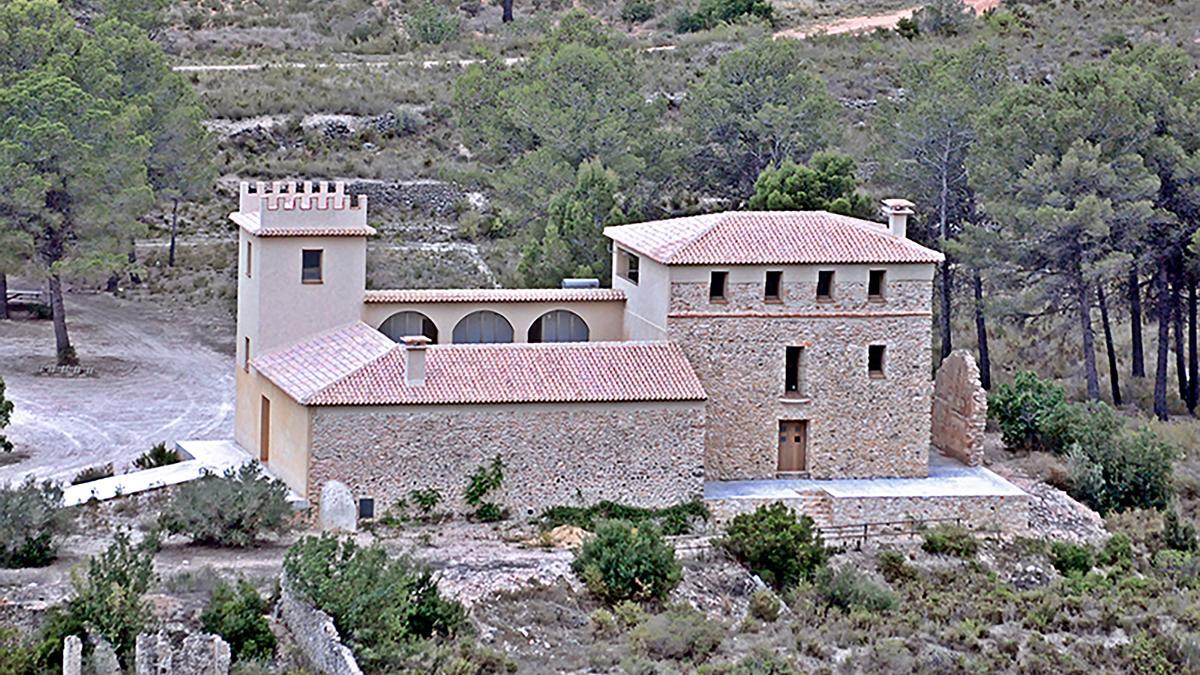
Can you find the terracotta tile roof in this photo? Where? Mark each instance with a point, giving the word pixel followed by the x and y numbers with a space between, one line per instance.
pixel 304 369
pixel 250 222
pixel 349 367
pixel 485 295
pixel 768 238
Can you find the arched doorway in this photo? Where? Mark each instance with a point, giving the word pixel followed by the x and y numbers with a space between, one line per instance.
pixel 402 324
pixel 559 325
pixel 483 326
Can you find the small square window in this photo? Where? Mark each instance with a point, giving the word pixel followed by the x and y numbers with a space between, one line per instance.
pixel 773 286
pixel 311 272
pixel 627 266
pixel 825 285
pixel 366 507
pixel 876 284
pixel 876 360
pixel 716 286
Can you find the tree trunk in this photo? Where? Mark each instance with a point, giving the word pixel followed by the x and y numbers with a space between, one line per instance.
pixel 174 227
pixel 508 14
pixel 1193 367
pixel 62 341
pixel 985 359
pixel 1164 325
pixel 1180 356
pixel 1089 342
pixel 1135 324
pixel 947 296
pixel 3 296
pixel 1114 374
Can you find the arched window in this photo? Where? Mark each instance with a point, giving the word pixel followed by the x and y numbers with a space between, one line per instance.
pixel 402 324
pixel 483 326
pixel 559 326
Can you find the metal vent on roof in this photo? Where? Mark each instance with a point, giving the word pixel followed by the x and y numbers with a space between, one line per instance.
pixel 581 283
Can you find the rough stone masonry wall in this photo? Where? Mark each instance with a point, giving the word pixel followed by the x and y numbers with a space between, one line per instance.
pixel 858 426
pixel 959 409
pixel 647 455
pixel 316 635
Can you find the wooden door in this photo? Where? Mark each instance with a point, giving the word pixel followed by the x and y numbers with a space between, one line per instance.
pixel 793 446
pixel 264 431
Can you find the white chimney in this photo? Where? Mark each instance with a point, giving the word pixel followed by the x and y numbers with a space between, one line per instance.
pixel 414 359
pixel 897 212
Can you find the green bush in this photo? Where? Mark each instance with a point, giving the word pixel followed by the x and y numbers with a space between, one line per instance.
pixel 1021 410
pixel 1127 470
pixel 673 520
pixel 849 589
pixel 236 509
pixel 765 605
pixel 6 408
pixel 237 615
pixel 715 12
pixel 93 473
pixel 680 634
pixel 950 540
pixel 775 545
pixel 430 24
pixel 156 456
pixel 380 605
pixel 627 562
pixel 425 500
pixel 893 565
pixel 109 593
pixel 1117 551
pixel 487 479
pixel 944 18
pixel 32 520
pixel 637 11
pixel 1070 558
pixel 1179 534
pixel 16 655
pixel 907 28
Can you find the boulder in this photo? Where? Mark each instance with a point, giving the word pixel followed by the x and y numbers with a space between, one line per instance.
pixel 339 512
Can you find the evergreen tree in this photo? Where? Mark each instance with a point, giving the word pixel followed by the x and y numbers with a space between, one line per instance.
pixel 827 183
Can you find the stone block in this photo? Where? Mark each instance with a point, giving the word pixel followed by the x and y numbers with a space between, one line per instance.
pixel 959 409
pixel 72 655
pixel 339 512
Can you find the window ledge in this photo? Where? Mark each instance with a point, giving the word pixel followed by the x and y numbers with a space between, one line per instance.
pixel 876 299
pixel 312 281
pixel 773 301
pixel 825 299
pixel 878 376
pixel 717 301
pixel 795 399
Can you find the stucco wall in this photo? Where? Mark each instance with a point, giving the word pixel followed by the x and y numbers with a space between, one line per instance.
pixel 289 429
pixel 859 426
pixel 646 454
pixel 602 317
pixel 646 301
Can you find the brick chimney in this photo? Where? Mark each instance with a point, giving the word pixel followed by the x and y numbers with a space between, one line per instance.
pixel 414 359
pixel 897 212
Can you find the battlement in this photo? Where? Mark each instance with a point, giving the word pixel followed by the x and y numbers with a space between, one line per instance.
pixel 286 206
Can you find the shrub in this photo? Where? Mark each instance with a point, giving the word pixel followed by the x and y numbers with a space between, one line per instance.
pixel 637 11
pixel 32 519
pixel 907 28
pixel 1021 409
pixel 487 479
pixel 235 509
pixel 775 545
pixel 380 605
pixel 16 655
pixel 1178 533
pixel 681 634
pixel 1117 551
pixel 108 593
pixel 627 562
pixel 430 24
pixel 93 473
pixel 950 540
pixel 944 18
pixel 1124 471
pixel 425 500
pixel 1070 558
pixel 848 589
pixel 156 456
pixel 714 12
pixel 673 520
pixel 237 615
pixel 765 605
pixel 6 408
pixel 893 565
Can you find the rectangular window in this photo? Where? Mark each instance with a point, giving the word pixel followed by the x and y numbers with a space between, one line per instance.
pixel 627 266
pixel 825 285
pixel 876 285
pixel 793 380
pixel 366 507
pixel 246 356
pixel 249 253
pixel 773 286
pixel 716 286
pixel 876 360
pixel 310 272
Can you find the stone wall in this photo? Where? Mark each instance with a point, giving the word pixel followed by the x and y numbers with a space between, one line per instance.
pixel 859 426
pixel 959 409
pixel 430 196
pixel 647 454
pixel 316 635
pixel 198 654
pixel 849 295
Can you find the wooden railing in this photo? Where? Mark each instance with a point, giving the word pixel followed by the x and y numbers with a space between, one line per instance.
pixel 861 532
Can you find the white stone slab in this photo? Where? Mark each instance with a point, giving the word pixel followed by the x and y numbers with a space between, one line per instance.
pixel 339 512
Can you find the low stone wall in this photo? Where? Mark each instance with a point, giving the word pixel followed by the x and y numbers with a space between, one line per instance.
pixel 198 654
pixel 316 635
pixel 959 409
pixel 431 196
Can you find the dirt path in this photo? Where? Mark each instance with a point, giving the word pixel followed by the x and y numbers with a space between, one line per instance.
pixel 859 24
pixel 159 377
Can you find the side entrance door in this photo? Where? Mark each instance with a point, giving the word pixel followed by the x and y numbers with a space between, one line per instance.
pixel 793 446
pixel 264 431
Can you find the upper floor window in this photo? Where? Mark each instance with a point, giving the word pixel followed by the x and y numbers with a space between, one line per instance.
pixel 876 360
pixel 249 257
pixel 311 266
pixel 793 379
pixel 876 284
pixel 773 287
pixel 627 266
pixel 825 285
pixel 716 286
pixel 246 355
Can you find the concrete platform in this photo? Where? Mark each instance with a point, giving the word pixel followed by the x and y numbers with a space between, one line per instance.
pixel 198 457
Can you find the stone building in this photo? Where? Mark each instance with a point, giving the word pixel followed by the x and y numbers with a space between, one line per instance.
pixel 739 356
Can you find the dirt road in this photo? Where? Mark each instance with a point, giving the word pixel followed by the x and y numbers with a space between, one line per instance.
pixel 159 377
pixel 859 24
